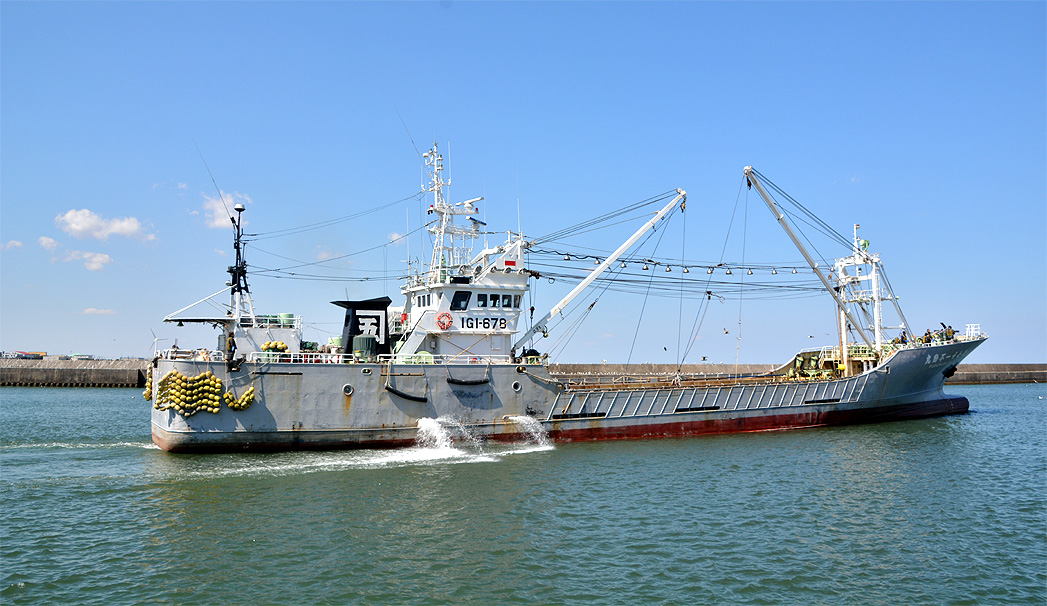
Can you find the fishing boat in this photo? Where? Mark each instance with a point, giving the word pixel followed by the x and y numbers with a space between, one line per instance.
pixel 456 351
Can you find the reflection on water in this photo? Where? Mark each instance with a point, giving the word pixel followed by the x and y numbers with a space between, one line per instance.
pixel 937 511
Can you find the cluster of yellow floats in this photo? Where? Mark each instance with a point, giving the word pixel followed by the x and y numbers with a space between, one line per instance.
pixel 277 346
pixel 190 395
pixel 242 402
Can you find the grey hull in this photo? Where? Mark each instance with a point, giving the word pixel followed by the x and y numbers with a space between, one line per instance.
pixel 303 406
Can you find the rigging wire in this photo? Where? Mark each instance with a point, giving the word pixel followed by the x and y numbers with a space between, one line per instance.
pixel 741 286
pixel 679 314
pixel 607 282
pixel 337 258
pixel 586 225
pixel 279 233
pixel 221 196
pixel 822 226
pixel 646 294
pixel 703 307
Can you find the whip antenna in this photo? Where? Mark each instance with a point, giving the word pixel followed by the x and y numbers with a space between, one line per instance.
pixel 221 196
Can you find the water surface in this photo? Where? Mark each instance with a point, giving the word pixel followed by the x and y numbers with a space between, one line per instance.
pixel 940 511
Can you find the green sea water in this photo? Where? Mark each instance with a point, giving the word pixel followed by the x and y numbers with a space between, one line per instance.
pixel 940 511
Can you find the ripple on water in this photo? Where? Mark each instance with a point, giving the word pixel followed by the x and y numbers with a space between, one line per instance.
pixel 926 512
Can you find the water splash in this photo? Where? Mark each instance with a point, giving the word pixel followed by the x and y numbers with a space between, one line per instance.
pixel 534 429
pixel 433 434
pixel 441 441
pixel 462 433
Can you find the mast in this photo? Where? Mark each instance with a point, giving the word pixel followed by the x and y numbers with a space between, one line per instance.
pixel 239 292
pixel 448 258
pixel 879 287
pixel 681 196
pixel 750 174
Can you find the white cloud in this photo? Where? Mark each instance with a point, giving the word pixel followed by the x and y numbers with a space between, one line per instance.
pixel 397 239
pixel 323 254
pixel 183 186
pixel 48 243
pixel 220 251
pixel 92 261
pixel 85 224
pixel 12 244
pixel 93 311
pixel 216 210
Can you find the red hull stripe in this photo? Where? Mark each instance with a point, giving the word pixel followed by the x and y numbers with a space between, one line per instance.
pixel 593 429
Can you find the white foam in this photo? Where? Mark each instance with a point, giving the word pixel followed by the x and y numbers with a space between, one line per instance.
pixel 534 429
pixel 69 445
pixel 439 441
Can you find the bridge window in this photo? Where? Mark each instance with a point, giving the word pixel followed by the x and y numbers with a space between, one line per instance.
pixel 460 301
pixel 516 301
pixel 507 301
pixel 481 300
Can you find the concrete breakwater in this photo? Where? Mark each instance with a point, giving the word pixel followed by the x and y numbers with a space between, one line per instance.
pixel 73 373
pixel 132 373
pixel 974 374
pixel 966 374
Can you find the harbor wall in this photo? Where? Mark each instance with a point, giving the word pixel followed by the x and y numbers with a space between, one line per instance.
pixel 131 373
pixel 975 374
pixel 73 373
pixel 966 374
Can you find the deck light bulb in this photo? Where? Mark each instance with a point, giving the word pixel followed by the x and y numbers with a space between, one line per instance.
pixel 728 271
pixel 750 272
pixel 794 270
pixel 686 271
pixel 596 261
pixel 645 266
pixel 774 272
pixel 668 269
pixel 623 263
pixel 709 271
pixel 567 257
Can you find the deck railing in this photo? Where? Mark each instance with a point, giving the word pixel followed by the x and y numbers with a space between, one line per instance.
pixel 309 357
pixel 198 355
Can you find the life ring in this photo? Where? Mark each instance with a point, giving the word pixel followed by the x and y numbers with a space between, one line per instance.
pixel 444 321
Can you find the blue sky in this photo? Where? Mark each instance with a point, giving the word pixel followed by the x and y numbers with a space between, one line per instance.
pixel 924 122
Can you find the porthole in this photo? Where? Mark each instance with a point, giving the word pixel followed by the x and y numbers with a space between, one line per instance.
pixel 365 371
pixel 347 390
pixel 517 386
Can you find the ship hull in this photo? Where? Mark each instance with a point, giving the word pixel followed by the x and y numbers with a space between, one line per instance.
pixel 341 406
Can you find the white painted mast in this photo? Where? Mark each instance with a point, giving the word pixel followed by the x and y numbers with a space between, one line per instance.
pixel 860 256
pixel 447 258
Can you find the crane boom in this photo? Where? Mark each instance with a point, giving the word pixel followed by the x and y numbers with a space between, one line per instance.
pixel 751 176
pixel 681 196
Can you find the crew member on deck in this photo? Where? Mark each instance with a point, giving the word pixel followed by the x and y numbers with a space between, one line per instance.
pixel 230 346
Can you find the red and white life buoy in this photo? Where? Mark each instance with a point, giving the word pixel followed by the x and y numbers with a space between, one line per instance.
pixel 444 321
